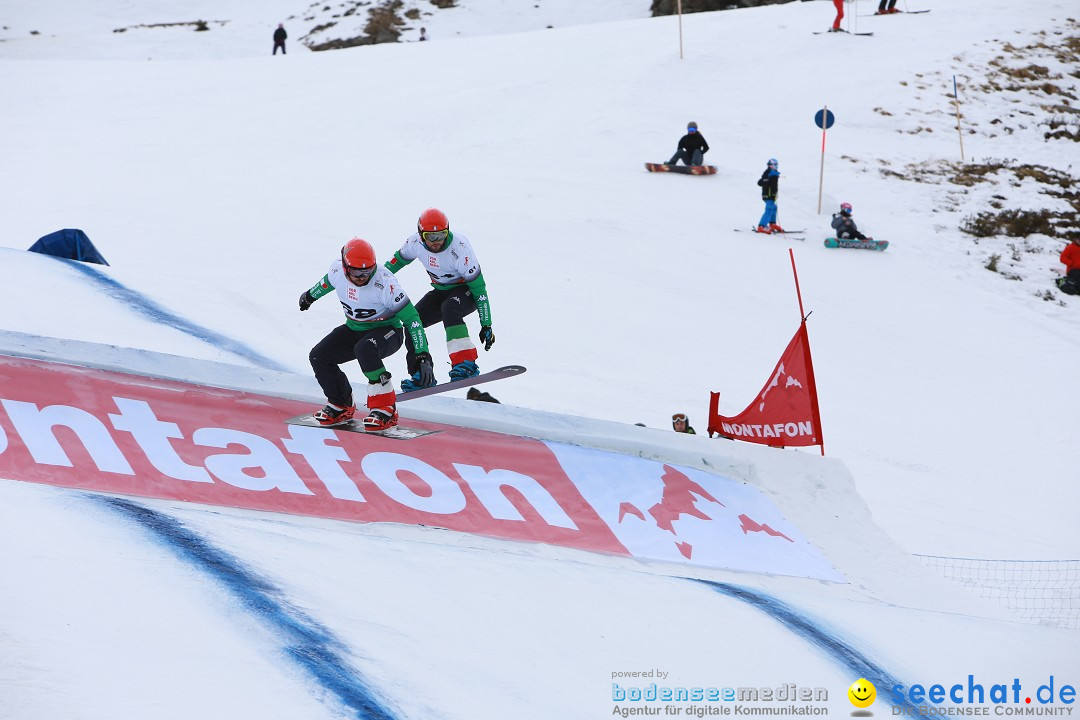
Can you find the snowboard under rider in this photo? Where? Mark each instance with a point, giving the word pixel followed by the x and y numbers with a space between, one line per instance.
pixel 770 187
pixel 692 147
pixel 376 307
pixel 458 289
pixel 845 226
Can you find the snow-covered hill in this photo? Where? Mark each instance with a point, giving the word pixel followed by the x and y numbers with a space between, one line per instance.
pixel 220 181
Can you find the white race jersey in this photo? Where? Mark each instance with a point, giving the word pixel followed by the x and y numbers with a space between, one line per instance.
pixel 454 264
pixel 377 302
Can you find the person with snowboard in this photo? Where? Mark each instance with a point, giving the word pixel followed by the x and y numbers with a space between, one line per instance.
pixel 681 423
pixel 1070 257
pixel 845 226
pixel 376 308
pixel 769 184
pixel 692 147
pixel 279 39
pixel 458 289
pixel 886 7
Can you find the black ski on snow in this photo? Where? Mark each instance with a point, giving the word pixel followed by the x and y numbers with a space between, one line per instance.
pixel 902 12
pixel 778 232
pixel 829 32
pixel 793 233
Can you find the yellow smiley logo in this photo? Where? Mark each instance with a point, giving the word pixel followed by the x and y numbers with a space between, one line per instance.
pixel 862 693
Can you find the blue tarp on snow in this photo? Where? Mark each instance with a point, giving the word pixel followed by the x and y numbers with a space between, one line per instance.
pixel 71 244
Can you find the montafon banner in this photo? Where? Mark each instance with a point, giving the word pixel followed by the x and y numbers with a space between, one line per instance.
pixel 785 412
pixel 102 431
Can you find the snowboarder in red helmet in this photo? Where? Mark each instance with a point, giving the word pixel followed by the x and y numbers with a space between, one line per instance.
pixel 458 289
pixel 378 313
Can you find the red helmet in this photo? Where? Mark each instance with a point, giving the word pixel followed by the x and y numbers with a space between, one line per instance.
pixel 433 227
pixel 358 261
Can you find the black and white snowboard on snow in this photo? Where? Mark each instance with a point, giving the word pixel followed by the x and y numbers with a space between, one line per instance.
pixel 400 432
pixel 356 425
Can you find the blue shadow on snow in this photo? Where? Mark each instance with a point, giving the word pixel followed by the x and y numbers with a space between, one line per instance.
pixel 158 314
pixel 846 656
pixel 307 643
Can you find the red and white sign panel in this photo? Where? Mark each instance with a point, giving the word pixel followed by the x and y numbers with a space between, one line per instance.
pixel 110 432
pixel 785 413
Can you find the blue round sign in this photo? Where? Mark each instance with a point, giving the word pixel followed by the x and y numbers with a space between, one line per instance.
pixel 824 119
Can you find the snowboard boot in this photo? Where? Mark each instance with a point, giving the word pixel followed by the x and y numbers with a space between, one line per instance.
pixel 334 415
pixel 413 383
pixel 380 419
pixel 382 405
pixel 462 370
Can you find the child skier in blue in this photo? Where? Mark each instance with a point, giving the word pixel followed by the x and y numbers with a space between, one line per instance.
pixel 769 183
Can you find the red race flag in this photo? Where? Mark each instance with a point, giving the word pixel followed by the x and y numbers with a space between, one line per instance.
pixel 785 412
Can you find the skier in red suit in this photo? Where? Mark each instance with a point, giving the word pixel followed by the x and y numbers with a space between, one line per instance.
pixel 839 14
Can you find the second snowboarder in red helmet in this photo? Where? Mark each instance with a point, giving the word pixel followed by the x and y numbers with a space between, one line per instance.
pixel 376 308
pixel 458 289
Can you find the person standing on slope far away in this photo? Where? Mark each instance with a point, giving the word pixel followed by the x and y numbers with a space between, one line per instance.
pixel 839 15
pixel 279 39
pixel 1070 257
pixel 376 307
pixel 458 289
pixel 770 186
pixel 845 226
pixel 886 7
pixel 692 147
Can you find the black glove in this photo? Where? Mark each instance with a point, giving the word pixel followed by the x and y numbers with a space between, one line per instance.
pixel 427 372
pixel 306 300
pixel 487 336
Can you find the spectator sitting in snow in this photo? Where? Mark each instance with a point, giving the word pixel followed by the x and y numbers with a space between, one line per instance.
pixel 1070 256
pixel 845 226
pixel 692 147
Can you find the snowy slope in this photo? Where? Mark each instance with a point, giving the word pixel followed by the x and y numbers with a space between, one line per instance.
pixel 219 182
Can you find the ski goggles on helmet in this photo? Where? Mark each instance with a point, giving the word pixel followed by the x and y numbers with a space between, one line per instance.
pixel 435 236
pixel 357 273
pixel 678 417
